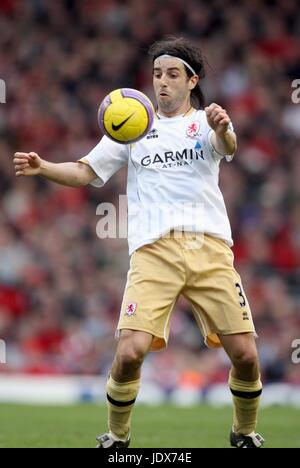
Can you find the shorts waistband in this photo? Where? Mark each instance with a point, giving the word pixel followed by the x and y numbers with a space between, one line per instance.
pixel 185 235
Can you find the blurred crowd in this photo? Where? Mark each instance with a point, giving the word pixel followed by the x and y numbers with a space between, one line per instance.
pixel 60 285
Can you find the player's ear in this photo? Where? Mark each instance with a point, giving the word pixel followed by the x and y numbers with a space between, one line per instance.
pixel 194 80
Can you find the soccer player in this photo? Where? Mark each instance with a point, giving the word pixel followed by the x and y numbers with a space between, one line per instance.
pixel 176 166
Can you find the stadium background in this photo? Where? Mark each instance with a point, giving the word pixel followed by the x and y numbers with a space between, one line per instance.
pixel 60 286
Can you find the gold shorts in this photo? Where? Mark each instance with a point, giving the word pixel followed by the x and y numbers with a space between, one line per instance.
pixel 199 267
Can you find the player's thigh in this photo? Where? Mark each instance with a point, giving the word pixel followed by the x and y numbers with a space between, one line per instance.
pixel 216 293
pixel 221 304
pixel 155 280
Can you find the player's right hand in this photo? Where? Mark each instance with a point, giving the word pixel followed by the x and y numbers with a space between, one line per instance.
pixel 27 164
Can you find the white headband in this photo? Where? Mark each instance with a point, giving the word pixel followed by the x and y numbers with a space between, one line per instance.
pixel 177 58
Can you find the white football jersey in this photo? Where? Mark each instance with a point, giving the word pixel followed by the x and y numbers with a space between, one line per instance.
pixel 173 179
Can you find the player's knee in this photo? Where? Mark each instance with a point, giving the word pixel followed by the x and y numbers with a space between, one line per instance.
pixel 130 356
pixel 245 359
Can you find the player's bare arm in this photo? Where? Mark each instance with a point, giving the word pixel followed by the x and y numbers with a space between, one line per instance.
pixel 70 174
pixel 223 139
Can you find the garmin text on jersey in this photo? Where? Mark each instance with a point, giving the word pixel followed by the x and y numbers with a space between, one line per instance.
pixel 173 158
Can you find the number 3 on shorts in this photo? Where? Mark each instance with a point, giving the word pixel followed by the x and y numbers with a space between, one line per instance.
pixel 243 302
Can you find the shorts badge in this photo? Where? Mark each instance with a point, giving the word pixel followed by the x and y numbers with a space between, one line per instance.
pixel 130 309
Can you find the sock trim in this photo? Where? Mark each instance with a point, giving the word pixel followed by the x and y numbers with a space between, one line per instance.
pixel 119 403
pixel 246 395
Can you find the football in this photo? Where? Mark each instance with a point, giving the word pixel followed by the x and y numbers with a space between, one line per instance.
pixel 126 115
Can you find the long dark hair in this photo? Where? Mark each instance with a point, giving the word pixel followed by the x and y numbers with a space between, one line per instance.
pixel 182 48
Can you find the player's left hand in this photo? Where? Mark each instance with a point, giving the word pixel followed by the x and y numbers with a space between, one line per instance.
pixel 217 118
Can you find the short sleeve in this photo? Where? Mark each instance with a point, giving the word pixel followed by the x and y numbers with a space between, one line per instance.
pixel 106 159
pixel 208 131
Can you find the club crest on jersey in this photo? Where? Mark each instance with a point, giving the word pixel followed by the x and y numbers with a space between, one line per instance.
pixel 193 130
pixel 131 309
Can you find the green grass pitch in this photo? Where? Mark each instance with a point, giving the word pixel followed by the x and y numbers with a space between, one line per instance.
pixel 155 427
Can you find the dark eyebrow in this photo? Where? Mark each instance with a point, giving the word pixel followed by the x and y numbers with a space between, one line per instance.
pixel 168 69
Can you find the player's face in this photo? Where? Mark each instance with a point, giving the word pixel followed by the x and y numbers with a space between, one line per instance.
pixel 171 84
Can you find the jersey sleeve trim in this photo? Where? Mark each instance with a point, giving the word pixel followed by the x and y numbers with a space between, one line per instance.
pixel 217 156
pixel 98 182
